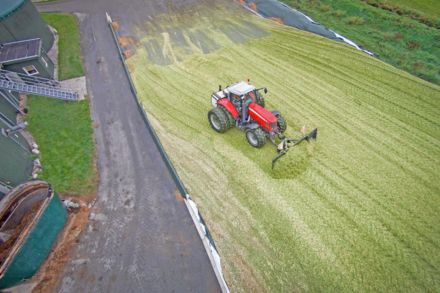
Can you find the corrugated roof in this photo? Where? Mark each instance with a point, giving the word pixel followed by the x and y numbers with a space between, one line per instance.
pixel 19 51
pixel 9 6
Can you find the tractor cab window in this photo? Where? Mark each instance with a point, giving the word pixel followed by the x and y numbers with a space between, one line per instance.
pixel 258 94
pixel 236 97
pixel 250 95
pixel 257 97
pixel 236 100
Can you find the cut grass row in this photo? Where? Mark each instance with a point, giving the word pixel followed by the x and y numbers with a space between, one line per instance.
pixel 63 130
pixel 355 211
pixel 401 40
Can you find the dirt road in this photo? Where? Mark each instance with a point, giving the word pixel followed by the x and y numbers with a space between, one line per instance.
pixel 140 236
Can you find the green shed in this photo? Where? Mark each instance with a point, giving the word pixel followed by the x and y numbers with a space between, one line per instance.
pixel 26 56
pixel 20 20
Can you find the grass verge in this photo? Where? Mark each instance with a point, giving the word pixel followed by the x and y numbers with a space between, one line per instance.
pixel 355 211
pixel 69 51
pixel 405 34
pixel 64 134
pixel 427 7
pixel 63 130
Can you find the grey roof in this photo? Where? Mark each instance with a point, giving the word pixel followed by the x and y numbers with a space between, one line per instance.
pixel 240 88
pixel 19 51
pixel 8 7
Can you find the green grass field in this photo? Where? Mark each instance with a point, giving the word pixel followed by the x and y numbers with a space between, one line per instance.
pixel 69 54
pixel 356 211
pixel 63 130
pixel 404 41
pixel 428 7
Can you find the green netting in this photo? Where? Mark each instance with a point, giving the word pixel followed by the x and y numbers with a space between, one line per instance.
pixel 38 244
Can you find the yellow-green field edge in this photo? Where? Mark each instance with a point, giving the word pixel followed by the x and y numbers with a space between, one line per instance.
pixel 355 211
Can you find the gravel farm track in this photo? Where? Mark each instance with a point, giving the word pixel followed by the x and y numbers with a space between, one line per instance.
pixel 357 211
pixel 141 236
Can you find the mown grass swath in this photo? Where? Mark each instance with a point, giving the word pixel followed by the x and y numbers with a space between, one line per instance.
pixel 355 211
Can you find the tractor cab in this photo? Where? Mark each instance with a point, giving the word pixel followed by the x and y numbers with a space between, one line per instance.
pixel 242 93
pixel 239 89
pixel 239 92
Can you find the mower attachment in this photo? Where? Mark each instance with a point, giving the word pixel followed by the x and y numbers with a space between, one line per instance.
pixel 286 143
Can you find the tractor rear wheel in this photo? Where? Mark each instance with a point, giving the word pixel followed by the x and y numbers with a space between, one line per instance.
pixel 218 119
pixel 256 137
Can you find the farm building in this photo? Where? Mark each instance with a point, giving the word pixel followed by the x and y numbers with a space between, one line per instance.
pixel 24 40
pixel 26 56
pixel 31 213
pixel 20 20
pixel 16 162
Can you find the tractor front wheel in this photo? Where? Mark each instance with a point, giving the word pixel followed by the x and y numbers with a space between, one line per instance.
pixel 281 122
pixel 218 120
pixel 230 120
pixel 256 137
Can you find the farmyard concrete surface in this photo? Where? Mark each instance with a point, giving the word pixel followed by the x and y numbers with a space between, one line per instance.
pixel 141 237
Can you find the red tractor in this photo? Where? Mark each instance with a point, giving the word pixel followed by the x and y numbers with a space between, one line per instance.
pixel 242 105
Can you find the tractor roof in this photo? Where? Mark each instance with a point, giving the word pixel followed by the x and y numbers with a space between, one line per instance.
pixel 240 88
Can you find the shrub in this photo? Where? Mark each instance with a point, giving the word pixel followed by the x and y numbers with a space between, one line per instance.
pixel 314 3
pixel 339 13
pixel 355 20
pixel 437 23
pixel 418 65
pixel 388 36
pixel 398 36
pixel 325 8
pixel 372 2
pixel 391 7
pixel 412 45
